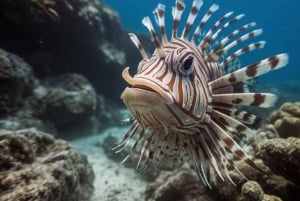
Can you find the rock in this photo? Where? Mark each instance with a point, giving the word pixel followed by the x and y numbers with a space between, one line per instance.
pixel 71 103
pixel 288 126
pixel 251 191
pixel 286 120
pixel 106 114
pixel 16 95
pixel 16 80
pixel 268 131
pixel 19 122
pixel 270 183
pixel 66 99
pixel 66 104
pixel 271 198
pixel 176 186
pixel 35 166
pixel 292 108
pixel 282 156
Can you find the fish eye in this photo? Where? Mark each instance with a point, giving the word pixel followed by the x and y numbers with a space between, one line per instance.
pixel 187 68
pixel 187 63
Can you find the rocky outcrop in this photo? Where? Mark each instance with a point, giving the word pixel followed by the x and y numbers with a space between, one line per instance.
pixel 66 99
pixel 62 36
pixel 17 109
pixel 35 166
pixel 77 50
pixel 16 82
pixel 252 191
pixel 283 157
pixel 286 120
pixel 51 105
pixel 180 186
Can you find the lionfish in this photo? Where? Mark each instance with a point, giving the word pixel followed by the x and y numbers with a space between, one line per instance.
pixel 184 107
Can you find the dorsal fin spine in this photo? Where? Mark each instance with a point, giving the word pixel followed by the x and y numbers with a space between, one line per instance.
pixel 192 16
pixel 148 24
pixel 160 13
pixel 205 18
pixel 177 12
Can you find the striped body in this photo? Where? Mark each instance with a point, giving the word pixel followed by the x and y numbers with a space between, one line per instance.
pixel 185 108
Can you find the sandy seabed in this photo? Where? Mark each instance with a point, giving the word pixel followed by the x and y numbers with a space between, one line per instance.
pixel 113 181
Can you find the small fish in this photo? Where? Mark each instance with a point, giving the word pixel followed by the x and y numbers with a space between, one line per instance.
pixel 45 7
pixel 184 107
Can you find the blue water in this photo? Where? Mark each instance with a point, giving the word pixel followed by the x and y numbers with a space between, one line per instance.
pixel 280 21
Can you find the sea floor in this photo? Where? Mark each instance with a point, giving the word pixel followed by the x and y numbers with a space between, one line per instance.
pixel 113 181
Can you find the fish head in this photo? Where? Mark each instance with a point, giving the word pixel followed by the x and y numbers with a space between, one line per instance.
pixel 168 88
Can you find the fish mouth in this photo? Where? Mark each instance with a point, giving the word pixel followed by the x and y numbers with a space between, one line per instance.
pixel 144 90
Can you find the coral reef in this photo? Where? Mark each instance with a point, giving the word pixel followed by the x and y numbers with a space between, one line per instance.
pixel 286 120
pixel 283 157
pixel 252 191
pixel 35 166
pixel 183 185
pixel 180 186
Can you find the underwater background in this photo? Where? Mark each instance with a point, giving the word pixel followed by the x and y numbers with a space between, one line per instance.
pixel 279 20
pixel 61 113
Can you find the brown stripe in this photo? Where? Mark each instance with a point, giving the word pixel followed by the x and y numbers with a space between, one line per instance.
pixel 162 76
pixel 229 142
pixel 196 94
pixel 233 21
pixel 172 81
pixel 163 30
pixel 180 92
pixel 201 25
pixel 246 49
pixel 223 121
pixel 242 29
pixel 257 45
pixel 250 35
pixel 246 117
pixel 239 153
pixel 222 19
pixel 258 99
pixel 180 6
pixel 160 13
pixel 273 61
pixel 175 25
pixel 232 78
pixel 230 36
pixel 224 110
pixel 252 69
pixel 187 29
pixel 237 101
pixel 241 128
pixel 194 10
pixel 140 47
pixel 239 40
